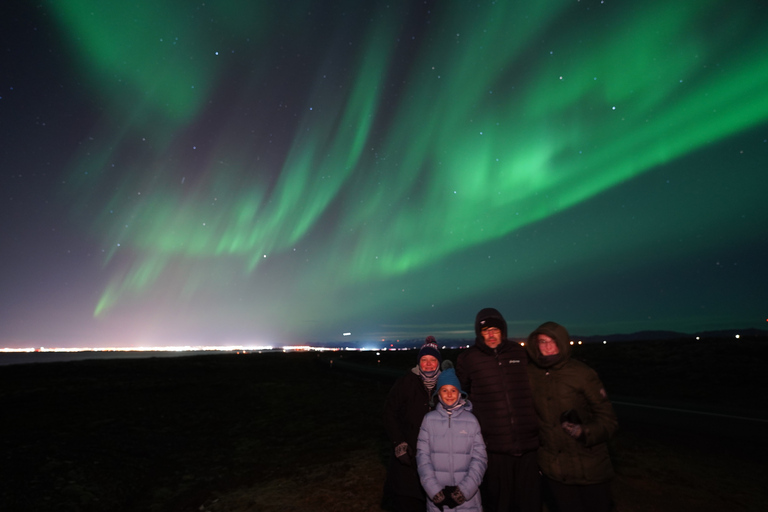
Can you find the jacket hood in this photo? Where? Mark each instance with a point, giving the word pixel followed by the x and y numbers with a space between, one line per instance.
pixel 489 317
pixel 555 331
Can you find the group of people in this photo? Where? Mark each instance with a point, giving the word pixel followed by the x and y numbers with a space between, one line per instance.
pixel 505 430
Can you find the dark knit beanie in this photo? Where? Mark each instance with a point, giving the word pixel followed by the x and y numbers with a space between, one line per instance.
pixel 430 349
pixel 492 321
pixel 448 377
pixel 489 317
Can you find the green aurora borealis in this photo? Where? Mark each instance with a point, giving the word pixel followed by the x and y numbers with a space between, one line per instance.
pixel 262 171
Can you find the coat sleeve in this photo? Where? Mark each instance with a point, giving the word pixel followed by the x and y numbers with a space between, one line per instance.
pixel 462 373
pixel 603 423
pixel 424 461
pixel 477 465
pixel 393 414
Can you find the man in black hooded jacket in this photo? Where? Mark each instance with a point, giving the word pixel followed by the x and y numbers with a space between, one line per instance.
pixel 493 372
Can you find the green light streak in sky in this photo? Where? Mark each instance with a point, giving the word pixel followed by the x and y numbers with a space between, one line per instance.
pixel 537 134
pixel 503 115
pixel 156 55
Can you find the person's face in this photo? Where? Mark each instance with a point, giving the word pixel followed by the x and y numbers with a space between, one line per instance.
pixel 428 363
pixel 547 345
pixel 449 394
pixel 492 336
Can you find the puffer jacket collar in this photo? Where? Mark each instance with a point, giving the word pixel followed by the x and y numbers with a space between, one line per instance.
pixel 457 412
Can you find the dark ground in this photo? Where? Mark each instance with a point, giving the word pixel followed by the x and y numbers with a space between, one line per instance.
pixel 293 432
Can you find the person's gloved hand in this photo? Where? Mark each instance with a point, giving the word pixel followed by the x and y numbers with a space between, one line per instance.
pixel 448 492
pixel 403 453
pixel 572 429
pixel 458 496
pixel 439 500
pixel 570 420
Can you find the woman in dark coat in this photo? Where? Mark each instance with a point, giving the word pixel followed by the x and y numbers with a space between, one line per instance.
pixel 576 420
pixel 407 403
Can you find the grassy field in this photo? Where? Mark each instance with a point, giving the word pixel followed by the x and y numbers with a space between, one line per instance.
pixel 291 432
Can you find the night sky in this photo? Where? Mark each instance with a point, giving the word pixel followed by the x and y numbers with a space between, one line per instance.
pixel 224 172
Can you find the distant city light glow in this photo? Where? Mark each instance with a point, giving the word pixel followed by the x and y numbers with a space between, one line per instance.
pixel 174 348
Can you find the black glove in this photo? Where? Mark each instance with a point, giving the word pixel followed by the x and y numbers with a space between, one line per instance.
pixel 458 496
pixel 404 454
pixel 448 491
pixel 439 500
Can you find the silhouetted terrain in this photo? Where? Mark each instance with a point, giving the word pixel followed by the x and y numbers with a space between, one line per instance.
pixel 283 432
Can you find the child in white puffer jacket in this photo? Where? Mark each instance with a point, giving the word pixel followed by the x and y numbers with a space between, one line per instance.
pixel 450 453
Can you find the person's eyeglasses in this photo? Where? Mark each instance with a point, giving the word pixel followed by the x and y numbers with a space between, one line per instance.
pixel 546 342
